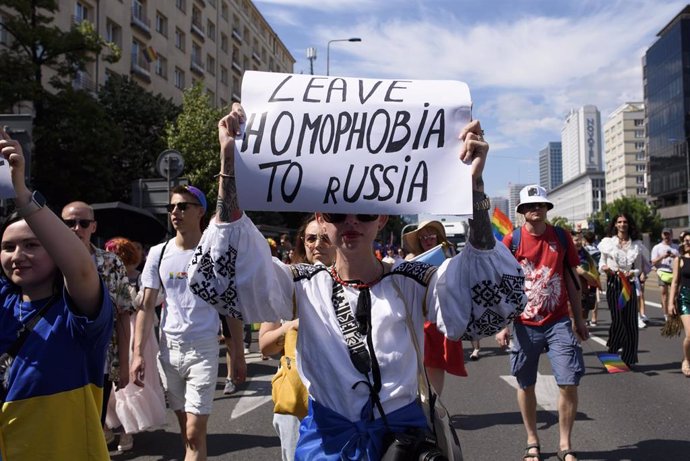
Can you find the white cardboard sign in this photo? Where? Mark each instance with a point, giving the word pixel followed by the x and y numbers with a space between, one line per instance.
pixel 351 145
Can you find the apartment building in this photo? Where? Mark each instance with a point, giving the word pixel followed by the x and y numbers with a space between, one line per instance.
pixel 624 152
pixel 169 45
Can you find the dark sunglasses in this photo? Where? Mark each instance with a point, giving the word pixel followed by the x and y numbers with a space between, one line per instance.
pixel 336 218
pixel 182 206
pixel 83 223
pixel 534 206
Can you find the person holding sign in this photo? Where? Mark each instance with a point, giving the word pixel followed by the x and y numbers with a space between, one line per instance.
pixel 359 317
pixel 441 355
pixel 56 319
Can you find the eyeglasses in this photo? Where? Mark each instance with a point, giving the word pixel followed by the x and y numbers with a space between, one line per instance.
pixel 534 206
pixel 182 206
pixel 336 218
pixel 428 237
pixel 312 239
pixel 83 223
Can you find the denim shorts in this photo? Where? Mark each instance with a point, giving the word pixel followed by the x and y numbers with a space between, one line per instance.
pixel 563 349
pixel 191 372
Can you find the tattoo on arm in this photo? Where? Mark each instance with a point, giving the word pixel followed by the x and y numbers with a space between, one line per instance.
pixel 479 184
pixel 481 234
pixel 227 207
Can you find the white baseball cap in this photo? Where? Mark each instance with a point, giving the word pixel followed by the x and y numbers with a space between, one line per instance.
pixel 533 194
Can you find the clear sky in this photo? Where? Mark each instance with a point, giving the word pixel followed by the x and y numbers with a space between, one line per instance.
pixel 527 62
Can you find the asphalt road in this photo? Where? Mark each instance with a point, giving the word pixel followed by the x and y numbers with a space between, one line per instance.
pixel 641 415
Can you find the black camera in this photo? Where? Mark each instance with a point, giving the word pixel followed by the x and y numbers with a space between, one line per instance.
pixel 414 445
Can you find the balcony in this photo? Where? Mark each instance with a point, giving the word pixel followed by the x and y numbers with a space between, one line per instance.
pixel 236 97
pixel 256 57
pixel 82 81
pixel 236 67
pixel 197 66
pixel 140 66
pixel 140 21
pixel 236 35
pixel 198 30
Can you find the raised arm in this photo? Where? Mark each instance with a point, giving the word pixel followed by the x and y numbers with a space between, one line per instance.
pixel 67 251
pixel 474 150
pixel 227 208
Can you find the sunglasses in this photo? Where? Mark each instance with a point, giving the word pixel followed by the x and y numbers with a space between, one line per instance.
pixel 428 237
pixel 533 206
pixel 336 218
pixel 182 206
pixel 312 239
pixel 83 223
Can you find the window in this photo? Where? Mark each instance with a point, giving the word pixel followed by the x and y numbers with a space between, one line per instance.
pixel 113 32
pixel 196 17
pixel 210 64
pixel 162 67
pixel 224 11
pixel 196 54
pixel 139 10
pixel 640 168
pixel 639 180
pixel 81 12
pixel 181 5
pixel 639 122
pixel 639 133
pixel 223 42
pixel 213 3
pixel 639 145
pixel 223 75
pixel 211 30
pixel 179 39
pixel 161 24
pixel 179 78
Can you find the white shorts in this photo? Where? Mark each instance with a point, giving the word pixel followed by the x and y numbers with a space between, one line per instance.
pixel 191 372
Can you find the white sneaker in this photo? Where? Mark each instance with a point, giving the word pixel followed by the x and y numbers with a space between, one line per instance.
pixel 640 323
pixel 644 318
pixel 126 442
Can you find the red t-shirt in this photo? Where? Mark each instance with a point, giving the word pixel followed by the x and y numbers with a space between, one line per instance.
pixel 541 258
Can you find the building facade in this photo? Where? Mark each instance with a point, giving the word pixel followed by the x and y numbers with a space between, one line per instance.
pixel 551 166
pixel 581 142
pixel 578 198
pixel 169 45
pixel 666 74
pixel 513 200
pixel 502 204
pixel 624 152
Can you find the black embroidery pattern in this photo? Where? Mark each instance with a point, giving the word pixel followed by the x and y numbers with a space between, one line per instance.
pixel 305 271
pixel 205 291
pixel 513 288
pixel 197 252
pixel 488 324
pixel 225 303
pixel 347 322
pixel 421 272
pixel 486 293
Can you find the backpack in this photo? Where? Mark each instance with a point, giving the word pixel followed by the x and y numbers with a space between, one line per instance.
pixel 562 239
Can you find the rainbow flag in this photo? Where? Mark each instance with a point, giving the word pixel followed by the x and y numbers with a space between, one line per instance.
pixel 613 362
pixel 626 291
pixel 500 224
pixel 591 268
pixel 150 54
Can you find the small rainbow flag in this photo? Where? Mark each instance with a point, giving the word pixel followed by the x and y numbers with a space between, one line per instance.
pixel 150 54
pixel 591 268
pixel 500 224
pixel 613 362
pixel 626 291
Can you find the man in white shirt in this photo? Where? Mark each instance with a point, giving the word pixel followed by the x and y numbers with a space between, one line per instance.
pixel 189 327
pixel 662 259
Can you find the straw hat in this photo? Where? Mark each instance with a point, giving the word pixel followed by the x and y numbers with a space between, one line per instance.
pixel 411 240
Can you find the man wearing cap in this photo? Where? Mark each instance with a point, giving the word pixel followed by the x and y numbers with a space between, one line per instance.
pixel 80 218
pixel 549 260
pixel 188 328
pixel 662 259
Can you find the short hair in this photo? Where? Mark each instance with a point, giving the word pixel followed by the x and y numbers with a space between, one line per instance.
pixel 125 249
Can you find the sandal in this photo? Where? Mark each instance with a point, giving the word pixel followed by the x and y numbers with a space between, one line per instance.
pixel 561 455
pixel 529 455
pixel 685 368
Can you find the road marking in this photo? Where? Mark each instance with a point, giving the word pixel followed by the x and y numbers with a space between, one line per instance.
pixel 546 390
pixel 256 392
pixel 597 339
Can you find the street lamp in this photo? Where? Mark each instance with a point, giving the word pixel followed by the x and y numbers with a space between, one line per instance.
pixel 328 50
pixel 311 56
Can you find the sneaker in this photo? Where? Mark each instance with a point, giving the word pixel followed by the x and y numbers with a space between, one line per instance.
pixel 644 318
pixel 126 442
pixel 246 350
pixel 474 356
pixel 592 323
pixel 109 436
pixel 640 323
pixel 230 387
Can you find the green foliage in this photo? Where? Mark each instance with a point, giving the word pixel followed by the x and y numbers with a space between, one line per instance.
pixel 141 117
pixel 195 135
pixel 561 222
pixel 35 44
pixel 647 219
pixel 74 143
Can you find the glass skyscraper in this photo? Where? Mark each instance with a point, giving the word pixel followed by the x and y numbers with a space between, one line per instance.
pixel 666 73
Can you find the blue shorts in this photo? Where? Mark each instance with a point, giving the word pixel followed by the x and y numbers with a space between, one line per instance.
pixel 563 349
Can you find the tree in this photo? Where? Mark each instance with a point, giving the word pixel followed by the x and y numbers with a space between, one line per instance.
pixel 646 219
pixel 560 221
pixel 74 141
pixel 142 118
pixel 36 44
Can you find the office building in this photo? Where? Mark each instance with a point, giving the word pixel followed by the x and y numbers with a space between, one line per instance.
pixel 666 80
pixel 169 45
pixel 550 166
pixel 513 200
pixel 578 198
pixel 624 152
pixel 502 204
pixel 581 142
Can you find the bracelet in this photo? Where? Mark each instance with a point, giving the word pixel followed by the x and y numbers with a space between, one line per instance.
pixel 223 175
pixel 484 204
